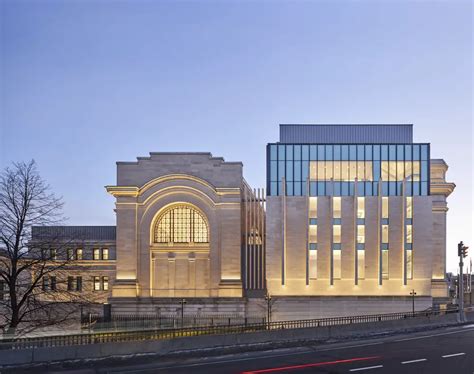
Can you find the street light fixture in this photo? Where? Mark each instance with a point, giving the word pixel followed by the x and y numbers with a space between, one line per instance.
pixel 413 294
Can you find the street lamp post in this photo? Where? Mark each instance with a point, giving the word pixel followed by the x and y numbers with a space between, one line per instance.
pixel 268 299
pixel 413 294
pixel 182 302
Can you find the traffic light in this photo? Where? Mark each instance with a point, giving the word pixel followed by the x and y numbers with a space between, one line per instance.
pixel 462 250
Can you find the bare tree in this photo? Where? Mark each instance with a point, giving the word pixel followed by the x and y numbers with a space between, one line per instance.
pixel 32 273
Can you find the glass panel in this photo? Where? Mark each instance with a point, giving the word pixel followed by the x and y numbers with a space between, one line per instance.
pixel 376 171
pixel 424 188
pixel 400 170
pixel 345 152
pixel 289 152
pixel 273 189
pixel 297 186
pixel 408 153
pixel 360 207
pixel 313 233
pixel 353 152
pixel 337 171
pixel 345 189
pixel 336 207
pixel 424 171
pixel 361 170
pixel 336 234
pixel 368 152
pixel 337 152
pixel 400 153
pixel 369 189
pixel 385 170
pixel 321 188
pixel 313 155
pixel 424 152
pixel 273 152
pixel 409 258
pixel 313 207
pixel 416 171
pixel 360 233
pixel 289 170
pixel 416 152
pixel 313 264
pixel 352 170
pixel 289 189
pixel 281 170
pixel 409 207
pixel 392 149
pixel 273 171
pixel 336 263
pixel 281 152
pixel 312 170
pixel 297 171
pixel 321 155
pixel 409 234
pixel 392 171
pixel 384 150
pixel 360 153
pixel 313 190
pixel 181 224
pixel 329 152
pixel 345 170
pixel 361 264
pixel 321 170
pixel 384 233
pixel 385 263
pixel 297 152
pixel 305 169
pixel 305 152
pixel 376 152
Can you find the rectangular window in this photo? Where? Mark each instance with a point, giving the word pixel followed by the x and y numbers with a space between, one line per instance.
pixel 53 283
pixel 336 261
pixel 79 254
pixel 70 283
pixel 360 207
pixel 361 264
pixel 385 207
pixel 313 207
pixel 79 284
pixel 70 254
pixel 96 252
pixel 96 283
pixel 409 207
pixel 409 234
pixel 52 254
pixel 105 283
pixel 336 234
pixel 409 255
pixel 360 233
pixel 313 263
pixel 105 254
pixel 385 263
pixel 45 285
pixel 313 233
pixel 384 233
pixel 336 207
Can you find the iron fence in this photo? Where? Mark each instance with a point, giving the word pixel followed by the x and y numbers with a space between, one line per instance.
pixel 172 333
pixel 99 322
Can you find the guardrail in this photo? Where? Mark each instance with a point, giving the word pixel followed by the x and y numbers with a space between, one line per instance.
pixel 157 334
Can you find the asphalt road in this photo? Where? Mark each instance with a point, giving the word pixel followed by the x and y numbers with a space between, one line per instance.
pixel 449 350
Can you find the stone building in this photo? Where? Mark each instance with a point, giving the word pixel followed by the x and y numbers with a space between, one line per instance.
pixel 353 220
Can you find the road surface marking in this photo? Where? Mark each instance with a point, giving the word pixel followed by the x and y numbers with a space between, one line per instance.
pixel 367 368
pixel 453 355
pixel 430 336
pixel 303 366
pixel 413 361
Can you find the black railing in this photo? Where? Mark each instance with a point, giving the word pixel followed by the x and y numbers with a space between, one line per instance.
pixel 98 322
pixel 172 333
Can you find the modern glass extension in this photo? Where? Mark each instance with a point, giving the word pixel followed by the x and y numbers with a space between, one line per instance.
pixel 338 169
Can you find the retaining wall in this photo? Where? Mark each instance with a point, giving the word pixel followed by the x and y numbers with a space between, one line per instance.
pixel 163 347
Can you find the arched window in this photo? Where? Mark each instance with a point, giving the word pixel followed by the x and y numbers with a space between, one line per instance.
pixel 181 224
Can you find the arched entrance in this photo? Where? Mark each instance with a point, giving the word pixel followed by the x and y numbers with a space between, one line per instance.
pixel 180 252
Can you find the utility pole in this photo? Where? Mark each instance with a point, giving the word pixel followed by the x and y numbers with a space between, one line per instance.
pixel 182 302
pixel 413 294
pixel 462 253
pixel 268 299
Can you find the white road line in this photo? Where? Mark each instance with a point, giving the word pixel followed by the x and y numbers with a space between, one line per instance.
pixel 454 354
pixel 433 335
pixel 413 361
pixel 367 368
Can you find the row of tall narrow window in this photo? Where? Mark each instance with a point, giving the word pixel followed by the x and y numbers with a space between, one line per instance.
pixel 78 254
pixel 99 283
pixel 360 232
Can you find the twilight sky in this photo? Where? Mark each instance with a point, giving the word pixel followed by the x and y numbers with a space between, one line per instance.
pixel 87 83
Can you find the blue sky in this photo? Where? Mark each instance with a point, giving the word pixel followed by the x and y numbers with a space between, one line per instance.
pixel 87 83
